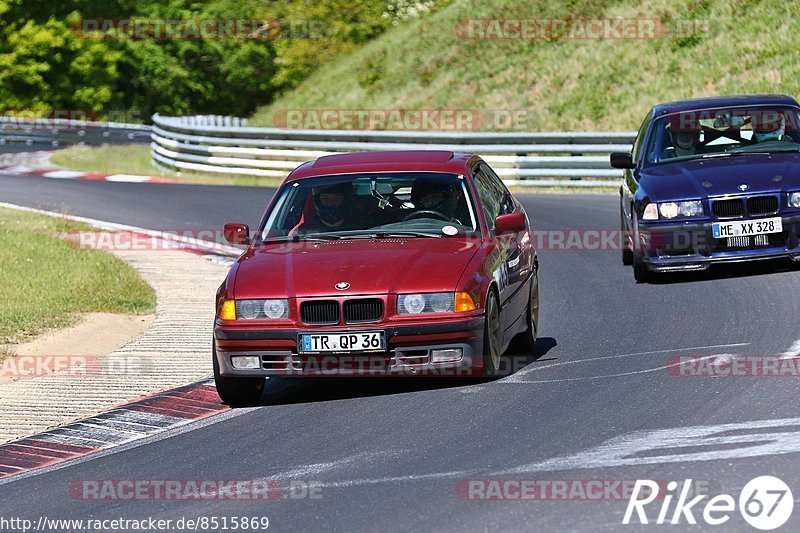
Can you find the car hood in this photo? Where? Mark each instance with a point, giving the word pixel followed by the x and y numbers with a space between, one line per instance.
pixel 719 176
pixel 381 266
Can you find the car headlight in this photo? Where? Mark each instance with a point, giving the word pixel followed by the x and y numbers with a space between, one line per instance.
pixel 692 208
pixel 650 212
pixel 794 199
pixel 273 309
pixel 432 302
pixel 668 210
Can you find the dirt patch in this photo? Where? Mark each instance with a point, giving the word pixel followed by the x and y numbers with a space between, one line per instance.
pixel 95 335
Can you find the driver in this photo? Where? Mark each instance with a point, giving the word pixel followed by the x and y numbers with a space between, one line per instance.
pixel 332 209
pixel 768 126
pixel 433 195
pixel 684 131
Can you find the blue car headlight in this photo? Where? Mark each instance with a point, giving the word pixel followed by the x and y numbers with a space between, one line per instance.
pixel 794 199
pixel 669 210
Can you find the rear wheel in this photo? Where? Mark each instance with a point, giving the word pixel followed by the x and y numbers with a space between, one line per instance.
pixel 492 339
pixel 237 392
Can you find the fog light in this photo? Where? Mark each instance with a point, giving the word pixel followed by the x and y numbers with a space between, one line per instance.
pixel 246 362
pixel 448 355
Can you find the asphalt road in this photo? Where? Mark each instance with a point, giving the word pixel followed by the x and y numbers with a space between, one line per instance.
pixel 595 402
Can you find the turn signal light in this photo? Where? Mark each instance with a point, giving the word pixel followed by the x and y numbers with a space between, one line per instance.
pixel 464 302
pixel 228 310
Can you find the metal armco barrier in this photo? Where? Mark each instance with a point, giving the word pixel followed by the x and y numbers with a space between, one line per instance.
pixel 57 132
pixel 226 145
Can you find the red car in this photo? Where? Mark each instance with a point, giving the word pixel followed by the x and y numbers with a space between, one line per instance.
pixel 378 263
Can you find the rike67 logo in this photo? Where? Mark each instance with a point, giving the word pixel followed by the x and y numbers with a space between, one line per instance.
pixel 765 503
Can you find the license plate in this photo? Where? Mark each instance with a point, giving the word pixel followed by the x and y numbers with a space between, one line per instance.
pixel 345 342
pixel 745 228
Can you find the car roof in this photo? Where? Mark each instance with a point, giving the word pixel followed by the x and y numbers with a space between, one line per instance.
pixel 389 161
pixel 724 101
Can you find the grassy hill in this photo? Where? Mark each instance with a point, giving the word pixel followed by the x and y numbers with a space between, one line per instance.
pixel 562 83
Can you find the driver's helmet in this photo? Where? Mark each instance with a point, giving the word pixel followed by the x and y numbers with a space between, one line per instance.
pixel 332 201
pixel 432 195
pixel 768 126
pixel 684 129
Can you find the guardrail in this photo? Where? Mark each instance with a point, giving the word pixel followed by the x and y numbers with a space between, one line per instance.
pixel 57 132
pixel 226 145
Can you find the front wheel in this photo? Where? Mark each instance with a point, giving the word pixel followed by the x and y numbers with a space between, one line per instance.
pixel 640 272
pixel 627 252
pixel 525 342
pixel 237 392
pixel 492 339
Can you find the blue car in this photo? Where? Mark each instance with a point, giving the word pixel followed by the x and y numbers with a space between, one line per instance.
pixel 711 180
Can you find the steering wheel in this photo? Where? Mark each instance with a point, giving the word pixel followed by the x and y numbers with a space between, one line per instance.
pixel 426 213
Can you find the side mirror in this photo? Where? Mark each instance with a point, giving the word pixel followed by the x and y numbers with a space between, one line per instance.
pixel 237 233
pixel 621 160
pixel 511 223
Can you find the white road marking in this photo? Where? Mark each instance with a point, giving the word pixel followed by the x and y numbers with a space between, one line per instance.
pixel 128 178
pixel 518 376
pixel 617 375
pixel 305 471
pixel 17 170
pixel 63 174
pixel 794 350
pixel 113 226
pixel 626 450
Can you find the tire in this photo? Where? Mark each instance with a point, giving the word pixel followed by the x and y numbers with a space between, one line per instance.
pixel 627 252
pixel 640 272
pixel 493 363
pixel 525 342
pixel 237 392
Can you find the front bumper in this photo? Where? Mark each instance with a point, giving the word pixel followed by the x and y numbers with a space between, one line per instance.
pixel 408 351
pixel 687 246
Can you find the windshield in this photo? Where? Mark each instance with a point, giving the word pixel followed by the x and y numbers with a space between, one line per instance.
pixel 719 132
pixel 412 204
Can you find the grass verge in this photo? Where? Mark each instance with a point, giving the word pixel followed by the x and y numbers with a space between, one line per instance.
pixel 46 280
pixel 132 159
pixel 702 48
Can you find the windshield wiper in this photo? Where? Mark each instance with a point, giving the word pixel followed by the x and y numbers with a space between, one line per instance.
pixel 387 234
pixel 745 151
pixel 730 154
pixel 390 234
pixel 299 238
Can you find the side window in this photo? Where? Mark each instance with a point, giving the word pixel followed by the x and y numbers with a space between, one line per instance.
pixel 637 145
pixel 507 205
pixel 492 194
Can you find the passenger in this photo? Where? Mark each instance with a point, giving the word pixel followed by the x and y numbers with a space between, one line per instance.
pixel 332 209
